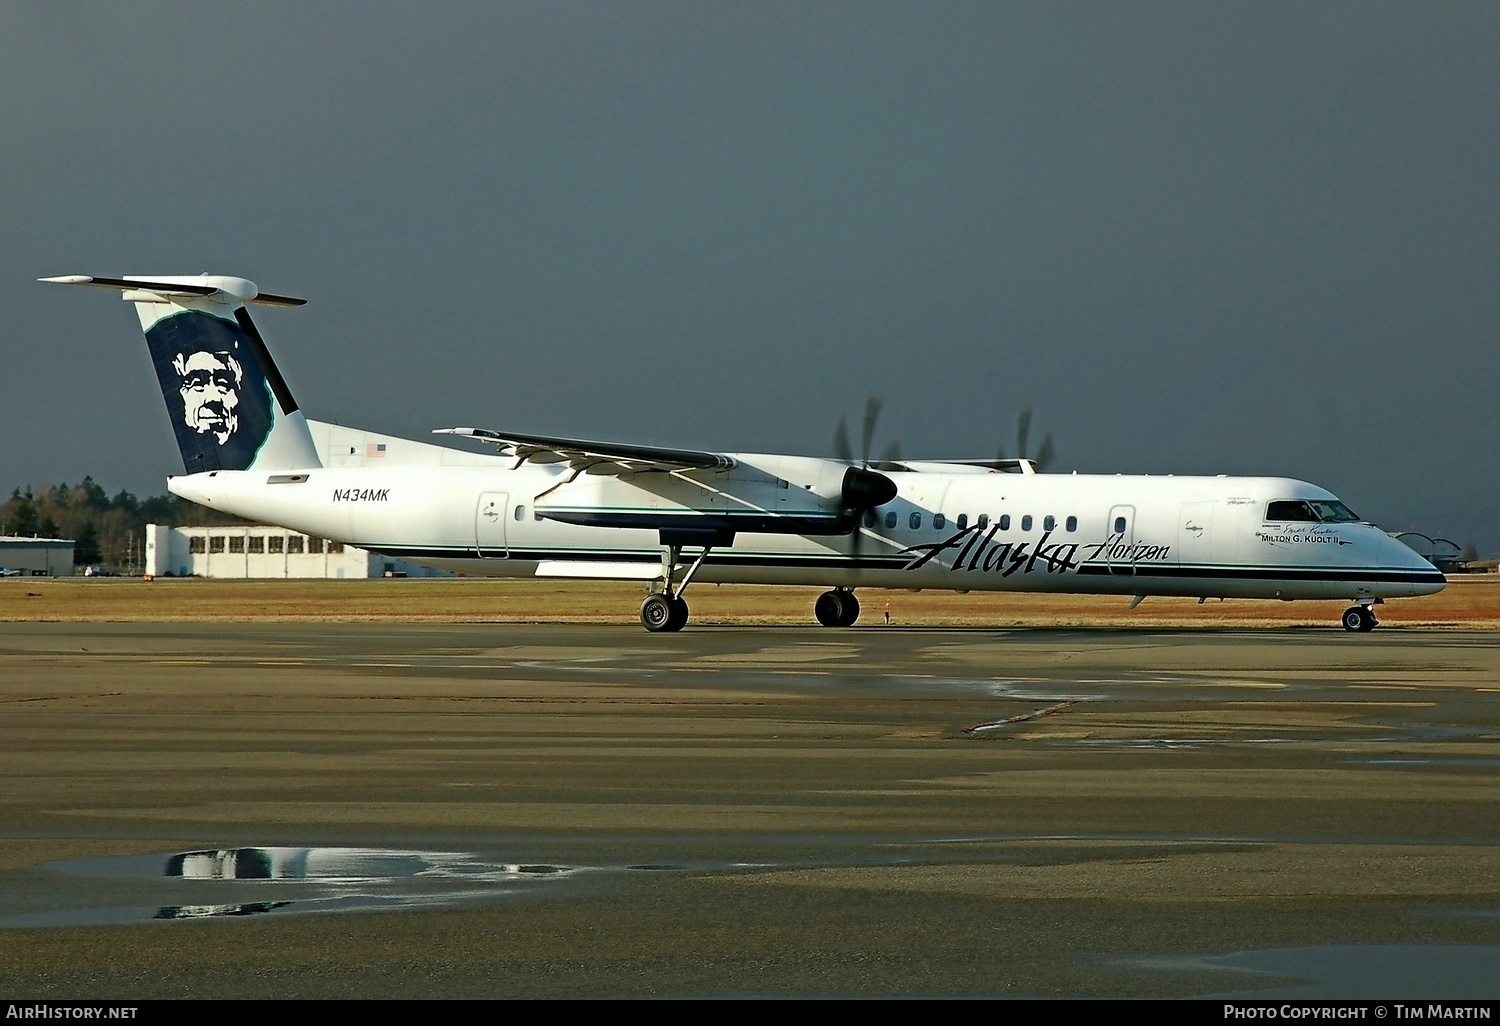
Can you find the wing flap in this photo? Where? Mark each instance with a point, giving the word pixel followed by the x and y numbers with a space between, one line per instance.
pixel 612 458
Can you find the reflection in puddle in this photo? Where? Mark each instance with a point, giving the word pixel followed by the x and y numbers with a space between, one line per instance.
pixel 209 911
pixel 229 882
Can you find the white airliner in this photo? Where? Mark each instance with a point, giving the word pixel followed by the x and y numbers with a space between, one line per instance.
pixel 562 507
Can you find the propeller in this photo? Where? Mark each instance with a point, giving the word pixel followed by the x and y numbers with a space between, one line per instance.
pixel 863 487
pixel 1023 435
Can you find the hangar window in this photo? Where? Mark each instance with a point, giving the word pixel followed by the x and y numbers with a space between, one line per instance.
pixel 294 543
pixel 962 521
pixel 216 543
pixel 520 511
pixel 939 521
pixel 335 548
pixel 276 544
pixel 1026 522
pixel 1291 511
pixel 315 546
pixel 256 544
pixel 1005 521
pixel 890 519
pixel 237 544
pixel 197 544
pixel 1072 524
pixel 1049 522
pixel 915 520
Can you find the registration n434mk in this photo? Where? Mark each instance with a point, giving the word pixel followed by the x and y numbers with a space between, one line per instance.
pixel 543 506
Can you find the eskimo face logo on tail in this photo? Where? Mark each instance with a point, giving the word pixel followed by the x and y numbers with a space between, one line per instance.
pixel 216 394
pixel 210 393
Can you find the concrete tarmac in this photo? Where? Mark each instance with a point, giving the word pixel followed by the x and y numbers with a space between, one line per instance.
pixel 593 811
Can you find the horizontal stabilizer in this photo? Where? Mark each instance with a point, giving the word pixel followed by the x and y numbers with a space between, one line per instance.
pixel 222 287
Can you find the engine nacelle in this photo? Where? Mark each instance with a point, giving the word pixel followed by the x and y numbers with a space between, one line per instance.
pixel 866 489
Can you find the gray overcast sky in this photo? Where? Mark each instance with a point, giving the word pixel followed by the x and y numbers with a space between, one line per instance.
pixel 1198 238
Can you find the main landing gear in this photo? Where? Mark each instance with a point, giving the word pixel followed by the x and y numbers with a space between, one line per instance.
pixel 1359 619
pixel 837 608
pixel 666 610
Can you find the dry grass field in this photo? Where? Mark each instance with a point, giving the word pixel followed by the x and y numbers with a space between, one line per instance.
pixel 1472 602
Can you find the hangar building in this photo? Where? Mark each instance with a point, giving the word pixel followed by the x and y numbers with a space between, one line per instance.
pixel 44 557
pixel 255 551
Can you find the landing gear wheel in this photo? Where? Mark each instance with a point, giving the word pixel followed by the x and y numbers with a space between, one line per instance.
pixel 829 609
pixel 851 609
pixel 658 612
pixel 1358 619
pixel 679 615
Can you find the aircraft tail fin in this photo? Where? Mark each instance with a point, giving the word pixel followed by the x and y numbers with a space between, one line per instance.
pixel 229 405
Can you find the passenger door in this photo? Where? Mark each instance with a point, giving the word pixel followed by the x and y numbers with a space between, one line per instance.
pixel 1194 530
pixel 1121 530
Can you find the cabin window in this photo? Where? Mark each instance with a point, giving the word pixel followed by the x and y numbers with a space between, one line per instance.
pixel 890 519
pixel 294 543
pixel 197 544
pixel 315 546
pixel 962 521
pixel 1004 522
pixel 984 521
pixel 1072 524
pixel 1291 511
pixel 255 544
pixel 1119 525
pixel 870 518
pixel 335 548
pixel 939 521
pixel 1026 522
pixel 276 544
pixel 536 514
pixel 216 543
pixel 237 544
pixel 915 520
pixel 520 512
pixel 1049 522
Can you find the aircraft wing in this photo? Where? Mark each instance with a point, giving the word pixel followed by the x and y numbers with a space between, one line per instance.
pixel 594 457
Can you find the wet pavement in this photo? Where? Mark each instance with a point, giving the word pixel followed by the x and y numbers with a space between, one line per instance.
pixel 456 810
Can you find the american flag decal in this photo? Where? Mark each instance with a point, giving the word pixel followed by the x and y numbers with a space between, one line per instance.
pixel 374 450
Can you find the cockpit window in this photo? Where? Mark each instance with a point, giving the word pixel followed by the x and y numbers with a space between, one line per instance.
pixel 1310 511
pixel 1334 512
pixel 1291 511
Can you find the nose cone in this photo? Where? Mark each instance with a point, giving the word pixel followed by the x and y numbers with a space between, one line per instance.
pixel 1426 579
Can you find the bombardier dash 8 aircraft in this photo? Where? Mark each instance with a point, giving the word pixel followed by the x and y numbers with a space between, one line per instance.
pixel 562 507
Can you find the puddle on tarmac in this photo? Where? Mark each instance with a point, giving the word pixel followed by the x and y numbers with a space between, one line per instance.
pixel 1352 971
pixel 256 881
pixel 242 882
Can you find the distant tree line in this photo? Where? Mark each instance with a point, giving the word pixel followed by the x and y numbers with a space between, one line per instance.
pixel 105 530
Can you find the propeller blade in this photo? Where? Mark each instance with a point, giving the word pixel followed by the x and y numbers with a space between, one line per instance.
pixel 1023 430
pixel 892 453
pixel 872 414
pixel 1045 453
pixel 841 448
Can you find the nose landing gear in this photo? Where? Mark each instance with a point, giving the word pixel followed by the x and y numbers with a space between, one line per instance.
pixel 1359 619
